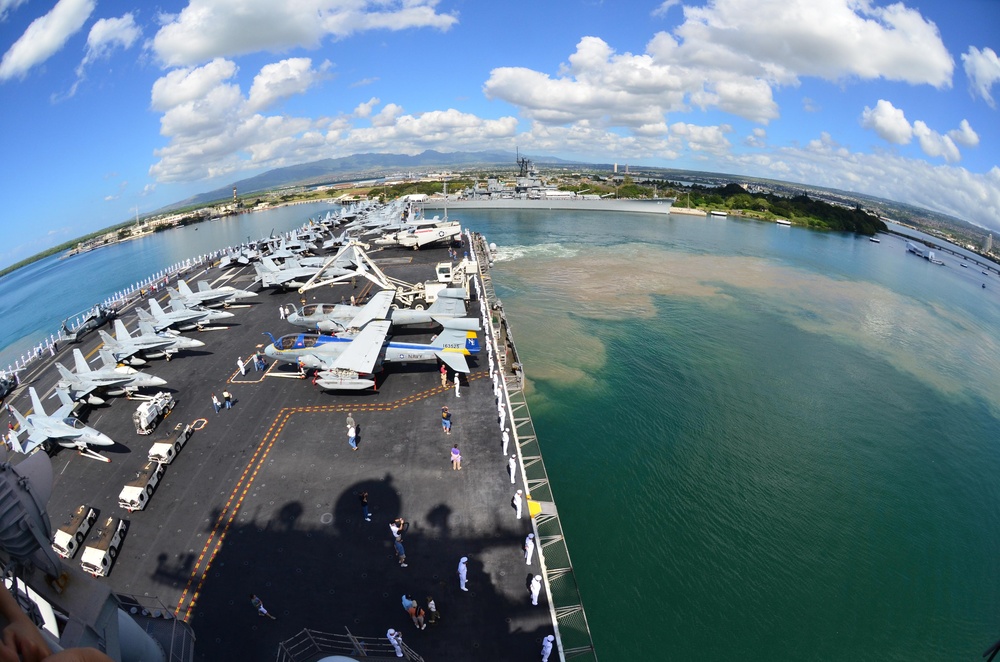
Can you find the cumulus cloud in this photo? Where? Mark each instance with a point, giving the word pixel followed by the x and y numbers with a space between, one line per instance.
pixel 964 135
pixel 45 37
pixel 757 138
pixel 710 139
pixel 105 35
pixel 729 55
pixel 934 144
pixel 891 125
pixel 283 79
pixel 888 122
pixel 982 68
pixel 365 109
pixel 213 129
pixel 207 29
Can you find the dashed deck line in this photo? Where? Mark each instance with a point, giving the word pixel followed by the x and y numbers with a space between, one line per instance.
pixel 232 506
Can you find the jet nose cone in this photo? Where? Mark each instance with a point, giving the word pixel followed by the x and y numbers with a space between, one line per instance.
pixel 157 381
pixel 102 440
pixel 196 343
pixel 223 315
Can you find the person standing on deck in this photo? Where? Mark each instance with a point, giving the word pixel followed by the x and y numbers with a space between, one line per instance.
pixel 446 420
pixel 512 468
pixel 255 601
pixel 463 572
pixel 444 375
pixel 239 364
pixel 506 440
pixel 281 311
pixel 216 403
pixel 352 438
pixel 515 503
pixel 456 458
pixel 396 639
pixel 400 551
pixel 457 383
pixel 529 548
pixel 536 588
pixel 547 647
pixel 432 608
pixel 227 397
pixel 364 506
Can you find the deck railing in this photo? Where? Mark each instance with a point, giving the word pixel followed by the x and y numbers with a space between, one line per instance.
pixel 572 630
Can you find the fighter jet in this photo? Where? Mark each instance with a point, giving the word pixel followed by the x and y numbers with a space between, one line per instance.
pixel 115 379
pixel 184 319
pixel 60 428
pixel 291 274
pixel 346 363
pixel 126 348
pixel 208 295
pixel 333 318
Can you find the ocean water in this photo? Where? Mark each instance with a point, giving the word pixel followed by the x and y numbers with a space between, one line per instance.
pixel 36 299
pixel 766 443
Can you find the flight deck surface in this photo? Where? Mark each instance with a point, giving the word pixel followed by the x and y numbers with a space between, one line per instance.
pixel 264 497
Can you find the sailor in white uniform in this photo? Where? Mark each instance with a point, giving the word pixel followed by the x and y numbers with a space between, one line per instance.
pixel 529 548
pixel 547 647
pixel 463 572
pixel 536 587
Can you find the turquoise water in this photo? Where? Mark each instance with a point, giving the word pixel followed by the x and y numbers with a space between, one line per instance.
pixel 765 444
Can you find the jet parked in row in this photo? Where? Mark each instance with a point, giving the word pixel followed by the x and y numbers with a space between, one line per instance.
pixel 178 317
pixel 126 348
pixel 110 377
pixel 59 429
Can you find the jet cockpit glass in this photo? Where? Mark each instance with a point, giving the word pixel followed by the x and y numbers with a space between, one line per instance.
pixel 74 423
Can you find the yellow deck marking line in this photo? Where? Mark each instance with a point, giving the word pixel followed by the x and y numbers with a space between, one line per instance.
pixel 236 497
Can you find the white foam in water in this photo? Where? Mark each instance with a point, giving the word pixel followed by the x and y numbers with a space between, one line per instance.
pixel 546 251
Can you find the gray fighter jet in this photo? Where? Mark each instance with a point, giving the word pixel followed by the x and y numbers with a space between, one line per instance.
pixel 333 318
pixel 114 379
pixel 60 428
pixel 126 348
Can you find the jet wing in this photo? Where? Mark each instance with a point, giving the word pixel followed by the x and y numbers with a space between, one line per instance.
pixel 376 309
pixel 361 355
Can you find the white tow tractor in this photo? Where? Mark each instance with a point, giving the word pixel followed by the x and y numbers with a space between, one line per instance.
pixel 152 411
pixel 99 555
pixel 165 450
pixel 68 537
pixel 135 495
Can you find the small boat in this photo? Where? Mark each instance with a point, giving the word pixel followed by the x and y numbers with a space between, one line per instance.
pixel 875 240
pixel 965 266
pixel 782 221
pixel 718 213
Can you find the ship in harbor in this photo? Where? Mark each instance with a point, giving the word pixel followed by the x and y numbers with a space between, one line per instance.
pixel 264 498
pixel 528 191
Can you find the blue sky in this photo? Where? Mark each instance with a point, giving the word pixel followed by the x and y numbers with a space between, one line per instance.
pixel 109 106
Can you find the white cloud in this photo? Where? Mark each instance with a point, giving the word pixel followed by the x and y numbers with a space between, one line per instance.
pixel 757 138
pixel 107 33
pixel 782 40
pixel 964 135
pixel 934 144
pixel 365 109
pixel 206 29
pixel 283 79
pixel 888 122
pixel 710 139
pixel 664 8
pixel 948 189
pixel 7 5
pixel 44 37
pixel 387 115
pixel 982 68
pixel 729 55
pixel 185 85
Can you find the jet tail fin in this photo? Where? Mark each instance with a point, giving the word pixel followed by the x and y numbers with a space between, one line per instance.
pixel 36 402
pixel 82 367
pixel 107 359
pixel 185 289
pixel 64 372
pixel 459 336
pixel 121 333
pixel 154 308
